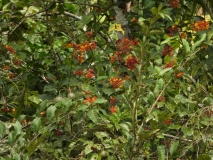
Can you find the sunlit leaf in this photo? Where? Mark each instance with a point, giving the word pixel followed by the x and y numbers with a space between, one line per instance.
pixel 34 99
pixel 116 27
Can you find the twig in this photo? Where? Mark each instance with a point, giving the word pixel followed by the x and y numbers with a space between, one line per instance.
pixel 154 104
pixel 72 15
pixel 175 137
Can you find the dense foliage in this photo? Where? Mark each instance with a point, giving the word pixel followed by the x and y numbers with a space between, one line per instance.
pixel 70 89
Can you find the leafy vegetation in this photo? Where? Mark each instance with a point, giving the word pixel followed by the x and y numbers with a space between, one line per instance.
pixel 70 89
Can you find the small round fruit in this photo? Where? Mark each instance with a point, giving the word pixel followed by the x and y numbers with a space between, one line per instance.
pixel 103 154
pixel 71 95
pixel 58 99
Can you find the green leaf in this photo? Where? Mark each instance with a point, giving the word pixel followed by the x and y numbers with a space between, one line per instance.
pixel 95 156
pixel 101 78
pixel 100 101
pixel 108 91
pixel 161 83
pixel 187 131
pixel 186 45
pixel 36 124
pixel 17 128
pixel 197 43
pixel 96 27
pixel 173 126
pixel 2 129
pixel 61 8
pixel 85 20
pixel 167 40
pixel 161 153
pixel 101 135
pixel 11 138
pixel 50 112
pixel 88 149
pixel 92 116
pixel 162 72
pixel 34 99
pixel 210 35
pixel 67 105
pixel 203 157
pixel 82 107
pixel 33 145
pixel 173 147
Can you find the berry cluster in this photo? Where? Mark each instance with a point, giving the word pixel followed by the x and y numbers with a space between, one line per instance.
pixel 171 30
pixel 112 102
pixel 116 82
pixel 90 73
pixel 200 25
pixel 90 99
pixel 168 50
pixel 123 48
pixel 174 3
pixel 80 49
pixel 170 64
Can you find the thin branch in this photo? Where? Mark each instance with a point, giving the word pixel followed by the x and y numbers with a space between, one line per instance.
pixel 72 15
pixel 175 137
pixel 154 104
